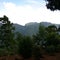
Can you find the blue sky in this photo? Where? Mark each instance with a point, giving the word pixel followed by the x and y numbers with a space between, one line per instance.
pixel 14 1
pixel 19 1
pixel 25 11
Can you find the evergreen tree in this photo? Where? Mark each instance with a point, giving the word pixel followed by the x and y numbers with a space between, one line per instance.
pixel 6 34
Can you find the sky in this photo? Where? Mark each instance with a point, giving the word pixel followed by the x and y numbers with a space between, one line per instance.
pixel 25 11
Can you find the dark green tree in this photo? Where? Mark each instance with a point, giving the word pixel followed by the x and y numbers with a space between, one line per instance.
pixel 52 28
pixel 6 34
pixel 48 38
pixel 39 40
pixel 53 4
pixel 52 39
pixel 40 36
pixel 18 38
pixel 25 47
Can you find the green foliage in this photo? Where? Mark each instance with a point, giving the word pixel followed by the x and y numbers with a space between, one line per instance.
pixel 48 38
pixel 53 4
pixel 25 47
pixel 40 36
pixel 6 35
pixel 51 28
pixel 18 38
pixel 52 39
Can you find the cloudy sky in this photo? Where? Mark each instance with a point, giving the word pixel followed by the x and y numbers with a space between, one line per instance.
pixel 24 11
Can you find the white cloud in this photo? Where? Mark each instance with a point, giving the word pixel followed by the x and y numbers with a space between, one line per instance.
pixel 28 13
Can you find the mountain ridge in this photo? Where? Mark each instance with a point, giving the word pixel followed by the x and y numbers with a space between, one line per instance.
pixel 31 28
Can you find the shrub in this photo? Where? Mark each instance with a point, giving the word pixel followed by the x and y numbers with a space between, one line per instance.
pixel 25 47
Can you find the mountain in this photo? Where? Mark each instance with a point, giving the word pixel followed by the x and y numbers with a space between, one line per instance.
pixel 30 28
pixel 46 24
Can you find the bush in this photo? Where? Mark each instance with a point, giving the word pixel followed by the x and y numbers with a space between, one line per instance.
pixel 25 47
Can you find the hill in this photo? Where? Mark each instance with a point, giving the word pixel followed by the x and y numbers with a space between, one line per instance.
pixel 30 28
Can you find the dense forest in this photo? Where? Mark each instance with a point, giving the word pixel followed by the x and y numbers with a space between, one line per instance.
pixel 45 41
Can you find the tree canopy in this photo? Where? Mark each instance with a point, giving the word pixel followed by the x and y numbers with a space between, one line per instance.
pixel 6 35
pixel 53 4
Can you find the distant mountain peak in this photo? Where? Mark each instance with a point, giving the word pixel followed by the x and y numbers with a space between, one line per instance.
pixel 31 23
